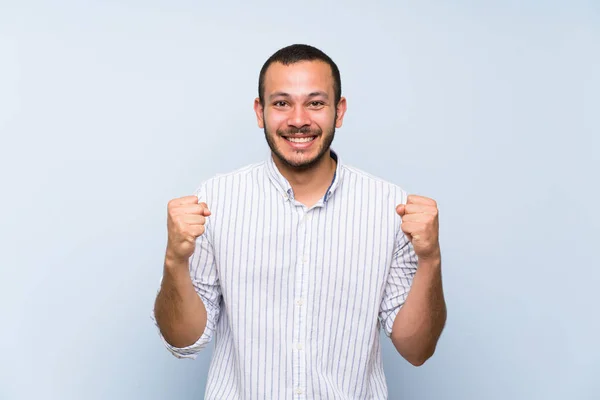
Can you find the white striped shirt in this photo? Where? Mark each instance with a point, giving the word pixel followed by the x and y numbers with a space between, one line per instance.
pixel 296 296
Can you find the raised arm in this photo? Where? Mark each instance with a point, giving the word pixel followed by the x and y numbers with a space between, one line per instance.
pixel 179 310
pixel 413 310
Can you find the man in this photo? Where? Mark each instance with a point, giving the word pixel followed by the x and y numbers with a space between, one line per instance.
pixel 294 264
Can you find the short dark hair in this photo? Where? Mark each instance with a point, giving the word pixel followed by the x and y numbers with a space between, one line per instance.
pixel 297 53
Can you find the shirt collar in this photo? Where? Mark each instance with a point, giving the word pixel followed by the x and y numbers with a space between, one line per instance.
pixel 284 187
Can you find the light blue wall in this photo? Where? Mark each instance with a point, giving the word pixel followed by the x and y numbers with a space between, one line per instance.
pixel 109 109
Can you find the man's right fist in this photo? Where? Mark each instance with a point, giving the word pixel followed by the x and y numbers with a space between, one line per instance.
pixel 185 222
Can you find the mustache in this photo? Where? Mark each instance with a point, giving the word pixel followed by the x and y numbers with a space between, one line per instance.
pixel 305 130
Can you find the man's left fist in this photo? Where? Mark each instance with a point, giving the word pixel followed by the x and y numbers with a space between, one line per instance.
pixel 420 224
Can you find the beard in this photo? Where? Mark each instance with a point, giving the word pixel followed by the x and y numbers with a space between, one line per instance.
pixel 327 139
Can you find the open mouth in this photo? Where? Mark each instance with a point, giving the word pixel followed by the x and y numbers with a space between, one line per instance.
pixel 306 139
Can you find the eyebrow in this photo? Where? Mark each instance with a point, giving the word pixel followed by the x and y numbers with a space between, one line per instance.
pixel 287 95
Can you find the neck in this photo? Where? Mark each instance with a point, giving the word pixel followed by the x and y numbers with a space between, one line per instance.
pixel 310 183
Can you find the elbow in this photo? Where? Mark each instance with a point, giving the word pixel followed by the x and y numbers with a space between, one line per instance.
pixel 418 359
pixel 415 355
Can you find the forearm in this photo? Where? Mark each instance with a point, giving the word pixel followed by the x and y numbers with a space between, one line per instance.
pixel 419 323
pixel 179 311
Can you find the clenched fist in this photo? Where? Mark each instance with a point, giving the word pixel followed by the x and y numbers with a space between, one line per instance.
pixel 420 224
pixel 185 222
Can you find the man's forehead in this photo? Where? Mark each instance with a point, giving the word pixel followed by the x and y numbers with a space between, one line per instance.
pixel 300 73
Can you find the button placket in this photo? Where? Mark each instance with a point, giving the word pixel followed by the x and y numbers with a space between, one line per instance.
pixel 299 358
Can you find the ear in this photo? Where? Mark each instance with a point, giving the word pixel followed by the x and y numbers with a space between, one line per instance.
pixel 341 111
pixel 259 110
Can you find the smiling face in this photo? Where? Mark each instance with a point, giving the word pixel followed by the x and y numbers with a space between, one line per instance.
pixel 299 114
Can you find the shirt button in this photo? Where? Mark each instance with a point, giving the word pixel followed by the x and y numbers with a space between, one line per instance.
pixel 299 302
pixel 299 391
pixel 305 259
pixel 299 346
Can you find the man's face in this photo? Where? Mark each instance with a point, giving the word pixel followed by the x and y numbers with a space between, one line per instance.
pixel 299 115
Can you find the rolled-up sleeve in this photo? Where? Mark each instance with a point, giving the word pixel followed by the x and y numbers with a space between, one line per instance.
pixel 402 270
pixel 205 278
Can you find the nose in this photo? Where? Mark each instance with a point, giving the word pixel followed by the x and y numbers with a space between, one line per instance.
pixel 299 118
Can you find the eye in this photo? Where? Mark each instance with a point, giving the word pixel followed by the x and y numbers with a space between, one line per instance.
pixel 316 104
pixel 280 103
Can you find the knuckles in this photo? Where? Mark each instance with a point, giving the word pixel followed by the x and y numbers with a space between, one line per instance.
pixel 416 199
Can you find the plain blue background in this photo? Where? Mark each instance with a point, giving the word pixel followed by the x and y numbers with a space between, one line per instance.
pixel 109 109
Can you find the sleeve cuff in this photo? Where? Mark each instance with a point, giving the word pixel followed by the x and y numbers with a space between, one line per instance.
pixel 388 322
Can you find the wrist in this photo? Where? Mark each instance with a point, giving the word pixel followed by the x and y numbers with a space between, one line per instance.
pixel 174 262
pixel 431 261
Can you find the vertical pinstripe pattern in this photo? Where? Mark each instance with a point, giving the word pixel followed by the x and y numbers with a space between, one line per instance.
pixel 296 297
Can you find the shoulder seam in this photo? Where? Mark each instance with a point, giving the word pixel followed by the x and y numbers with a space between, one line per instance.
pixel 357 171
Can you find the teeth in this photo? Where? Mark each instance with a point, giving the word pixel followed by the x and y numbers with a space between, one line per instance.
pixel 301 140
